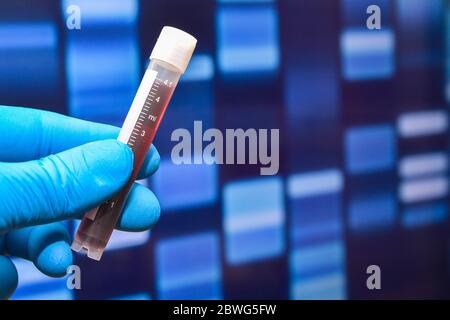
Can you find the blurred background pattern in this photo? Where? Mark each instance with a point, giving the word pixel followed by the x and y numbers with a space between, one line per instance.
pixel 363 118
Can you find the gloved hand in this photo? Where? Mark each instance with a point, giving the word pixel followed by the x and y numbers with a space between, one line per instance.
pixel 54 168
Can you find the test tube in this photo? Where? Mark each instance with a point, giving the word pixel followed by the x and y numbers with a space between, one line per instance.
pixel 168 61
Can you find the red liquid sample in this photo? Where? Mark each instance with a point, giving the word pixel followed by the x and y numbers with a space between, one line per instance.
pixel 97 226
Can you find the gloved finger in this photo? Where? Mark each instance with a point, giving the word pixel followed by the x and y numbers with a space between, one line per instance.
pixel 29 134
pixel 141 211
pixel 47 246
pixel 8 277
pixel 62 186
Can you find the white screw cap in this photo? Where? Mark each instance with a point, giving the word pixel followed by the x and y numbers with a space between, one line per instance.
pixel 174 46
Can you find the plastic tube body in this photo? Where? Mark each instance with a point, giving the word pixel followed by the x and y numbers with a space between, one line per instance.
pixel 138 132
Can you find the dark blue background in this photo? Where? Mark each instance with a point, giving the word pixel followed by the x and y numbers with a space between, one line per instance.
pixel 363 143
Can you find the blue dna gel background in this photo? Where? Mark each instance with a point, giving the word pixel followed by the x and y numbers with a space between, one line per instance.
pixel 364 147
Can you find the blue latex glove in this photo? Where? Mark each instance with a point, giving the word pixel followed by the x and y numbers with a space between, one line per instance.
pixel 52 168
